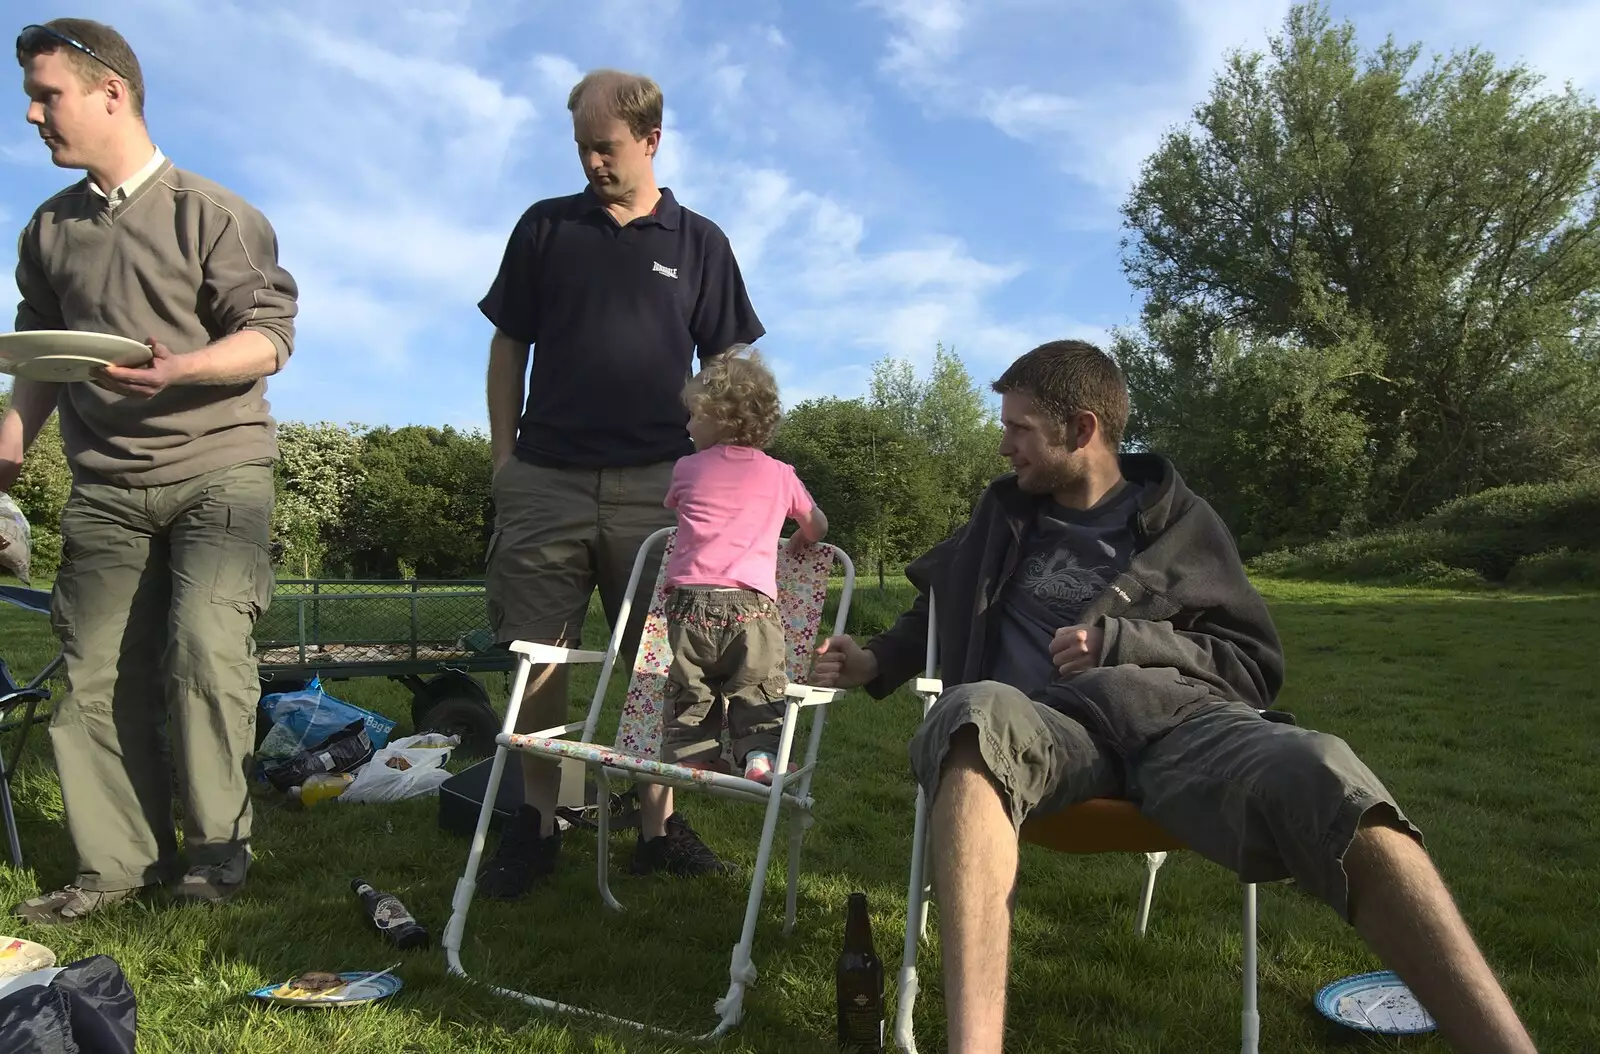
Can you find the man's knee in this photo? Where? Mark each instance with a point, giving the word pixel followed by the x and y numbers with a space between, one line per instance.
pixel 949 736
pixel 1293 765
pixel 963 755
pixel 986 730
pixel 1329 811
pixel 213 654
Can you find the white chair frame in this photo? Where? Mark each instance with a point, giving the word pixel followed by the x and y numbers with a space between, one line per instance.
pixel 788 789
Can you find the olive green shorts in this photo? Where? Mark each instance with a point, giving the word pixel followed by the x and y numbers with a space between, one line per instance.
pixel 1266 799
pixel 559 533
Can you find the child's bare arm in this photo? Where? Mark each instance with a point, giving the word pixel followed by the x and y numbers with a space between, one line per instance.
pixel 813 528
pixel 815 525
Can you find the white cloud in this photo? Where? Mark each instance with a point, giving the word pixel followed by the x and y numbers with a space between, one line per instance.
pixel 402 240
pixel 1102 106
pixel 1118 84
pixel 441 91
pixel 25 149
pixel 1560 43
pixel 927 34
pixel 558 74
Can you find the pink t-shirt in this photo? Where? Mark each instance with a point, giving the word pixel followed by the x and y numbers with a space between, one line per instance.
pixel 731 502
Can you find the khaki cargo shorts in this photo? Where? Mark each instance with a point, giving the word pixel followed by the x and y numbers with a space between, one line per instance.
pixel 1266 799
pixel 561 532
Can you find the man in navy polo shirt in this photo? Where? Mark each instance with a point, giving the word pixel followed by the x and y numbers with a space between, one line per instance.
pixel 614 289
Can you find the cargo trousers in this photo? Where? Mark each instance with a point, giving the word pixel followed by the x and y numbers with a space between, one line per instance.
pixel 155 605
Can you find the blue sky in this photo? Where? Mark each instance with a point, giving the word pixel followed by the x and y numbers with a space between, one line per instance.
pixel 891 173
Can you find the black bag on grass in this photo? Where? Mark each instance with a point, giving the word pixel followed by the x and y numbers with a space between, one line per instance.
pixel 344 751
pixel 87 1008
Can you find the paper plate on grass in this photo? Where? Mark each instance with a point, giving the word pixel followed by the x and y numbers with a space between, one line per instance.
pixel 356 988
pixel 1375 1002
pixel 18 956
pixel 61 355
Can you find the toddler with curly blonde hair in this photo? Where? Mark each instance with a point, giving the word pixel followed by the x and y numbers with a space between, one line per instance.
pixel 722 615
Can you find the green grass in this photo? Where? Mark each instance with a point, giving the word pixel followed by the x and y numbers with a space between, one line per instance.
pixel 1478 710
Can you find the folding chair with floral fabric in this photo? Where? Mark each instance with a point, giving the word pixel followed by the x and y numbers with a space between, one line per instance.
pixel 634 755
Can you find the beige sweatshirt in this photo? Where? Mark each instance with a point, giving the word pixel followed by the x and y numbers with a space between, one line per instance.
pixel 177 258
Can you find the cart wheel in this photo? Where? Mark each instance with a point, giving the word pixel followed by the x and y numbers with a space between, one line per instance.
pixel 451 684
pixel 475 722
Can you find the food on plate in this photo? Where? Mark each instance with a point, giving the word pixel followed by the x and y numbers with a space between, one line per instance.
pixel 313 984
pixel 18 957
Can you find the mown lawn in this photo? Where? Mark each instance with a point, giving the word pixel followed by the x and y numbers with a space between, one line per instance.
pixel 1480 710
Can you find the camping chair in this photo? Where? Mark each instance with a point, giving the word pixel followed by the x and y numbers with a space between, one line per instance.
pixel 1100 825
pixel 802 591
pixel 27 696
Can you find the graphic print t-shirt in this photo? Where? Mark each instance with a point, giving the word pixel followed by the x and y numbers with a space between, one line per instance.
pixel 1068 558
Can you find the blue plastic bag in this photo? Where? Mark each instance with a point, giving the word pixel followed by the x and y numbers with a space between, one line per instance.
pixel 303 719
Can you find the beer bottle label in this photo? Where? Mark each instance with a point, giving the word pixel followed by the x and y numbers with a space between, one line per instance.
pixel 861 1025
pixel 389 914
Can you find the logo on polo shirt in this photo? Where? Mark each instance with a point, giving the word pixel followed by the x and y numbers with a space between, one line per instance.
pixel 660 268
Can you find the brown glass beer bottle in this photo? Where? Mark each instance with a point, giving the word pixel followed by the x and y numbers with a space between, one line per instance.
pixel 858 983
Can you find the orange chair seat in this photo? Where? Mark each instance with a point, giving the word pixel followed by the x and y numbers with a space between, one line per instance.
pixel 1099 825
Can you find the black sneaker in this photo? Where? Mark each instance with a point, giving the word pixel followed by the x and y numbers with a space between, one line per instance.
pixel 678 852
pixel 522 858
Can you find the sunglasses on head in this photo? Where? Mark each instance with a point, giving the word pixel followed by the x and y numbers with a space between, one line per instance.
pixel 36 39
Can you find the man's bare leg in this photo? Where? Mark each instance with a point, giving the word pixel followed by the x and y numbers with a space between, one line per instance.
pixel 655 806
pixel 974 856
pixel 544 705
pixel 1401 908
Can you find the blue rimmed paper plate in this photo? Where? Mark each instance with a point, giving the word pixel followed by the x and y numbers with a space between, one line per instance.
pixel 1375 1002
pixel 357 988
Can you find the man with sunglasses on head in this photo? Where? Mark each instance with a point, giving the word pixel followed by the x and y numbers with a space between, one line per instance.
pixel 165 536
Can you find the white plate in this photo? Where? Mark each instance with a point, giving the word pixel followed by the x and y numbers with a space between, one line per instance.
pixel 19 956
pixel 66 354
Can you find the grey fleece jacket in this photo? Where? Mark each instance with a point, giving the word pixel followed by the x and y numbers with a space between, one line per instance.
pixel 182 260
pixel 1182 626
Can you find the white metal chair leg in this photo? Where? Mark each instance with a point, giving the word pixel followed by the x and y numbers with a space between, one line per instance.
pixel 797 833
pixel 1152 863
pixel 602 844
pixel 741 971
pixel 919 890
pixel 916 923
pixel 467 884
pixel 1250 1035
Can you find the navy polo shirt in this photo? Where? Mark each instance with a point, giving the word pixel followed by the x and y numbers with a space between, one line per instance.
pixel 615 315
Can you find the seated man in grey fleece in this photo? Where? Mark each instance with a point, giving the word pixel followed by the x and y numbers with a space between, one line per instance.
pixel 1098 637
pixel 165 535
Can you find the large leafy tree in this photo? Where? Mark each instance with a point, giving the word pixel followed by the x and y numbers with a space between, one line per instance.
pixel 874 478
pixel 952 417
pixel 421 504
pixel 1371 285
pixel 316 475
pixel 41 492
